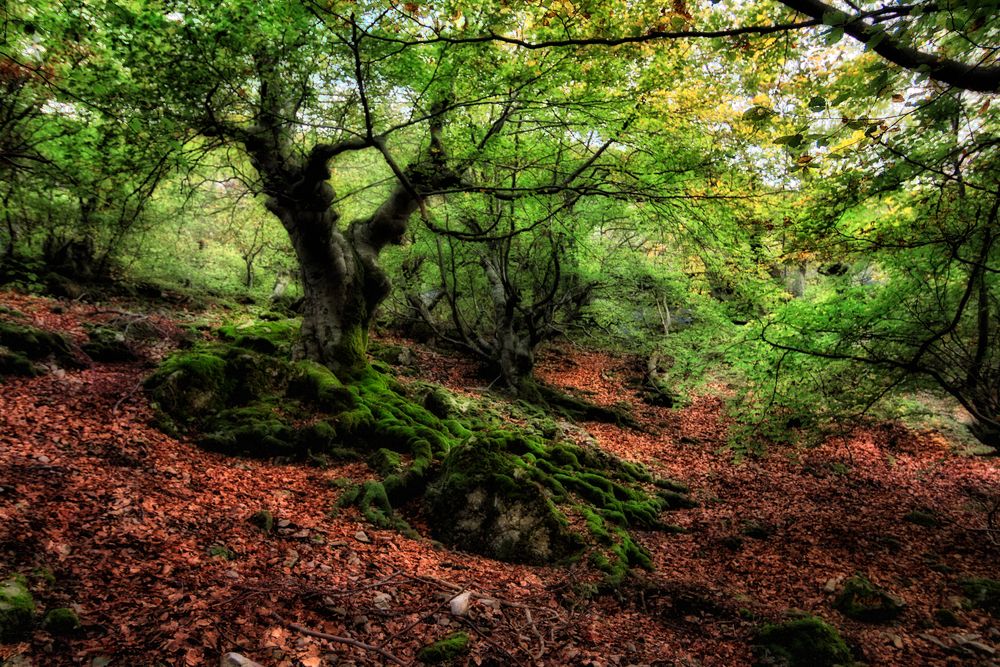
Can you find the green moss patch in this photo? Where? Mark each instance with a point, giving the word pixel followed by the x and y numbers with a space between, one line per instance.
pixel 983 594
pixel 264 520
pixel 108 345
pixel 862 600
pixel 802 642
pixel 61 621
pixel 14 363
pixel 445 650
pixel 17 609
pixel 20 345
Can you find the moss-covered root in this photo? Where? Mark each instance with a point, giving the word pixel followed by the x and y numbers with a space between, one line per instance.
pixel 17 609
pixel 577 408
pixel 445 651
pixel 802 642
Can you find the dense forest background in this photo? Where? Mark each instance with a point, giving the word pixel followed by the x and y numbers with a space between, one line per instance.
pixel 788 208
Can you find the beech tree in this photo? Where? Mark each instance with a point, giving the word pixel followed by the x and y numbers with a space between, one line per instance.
pixel 295 89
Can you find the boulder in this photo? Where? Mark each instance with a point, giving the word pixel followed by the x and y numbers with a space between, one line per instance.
pixel 862 600
pixel 484 502
pixel 801 642
pixel 17 609
pixel 61 621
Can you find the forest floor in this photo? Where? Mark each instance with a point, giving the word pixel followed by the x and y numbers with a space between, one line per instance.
pixel 148 538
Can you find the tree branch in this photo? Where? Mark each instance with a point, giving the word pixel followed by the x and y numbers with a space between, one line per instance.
pixel 946 70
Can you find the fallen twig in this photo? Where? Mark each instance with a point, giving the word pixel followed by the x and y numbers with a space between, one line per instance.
pixel 338 639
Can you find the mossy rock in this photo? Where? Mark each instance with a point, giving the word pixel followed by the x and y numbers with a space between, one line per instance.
pixel 446 650
pixel 983 594
pixel 922 518
pixel 17 609
pixel 440 403
pixel 265 337
pixel 393 355
pixel 14 363
pixel 263 519
pixel 253 376
pixel 862 600
pixel 61 621
pixel 485 501
pixel 108 345
pixel 190 385
pixel 254 431
pixel 801 642
pixel 37 344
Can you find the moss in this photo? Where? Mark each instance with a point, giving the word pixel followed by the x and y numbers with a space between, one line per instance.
pixel 264 520
pixel 983 594
pixel 946 618
pixel 496 491
pixel 14 363
pixel 17 609
pixel 862 600
pixel 801 642
pixel 108 345
pixel 922 518
pixel 445 650
pixel 221 551
pixel 385 462
pixel 267 336
pixel 36 344
pixel 61 621
pixel 317 384
pixel 189 385
pixel 255 431
pixel 393 355
pixel 484 502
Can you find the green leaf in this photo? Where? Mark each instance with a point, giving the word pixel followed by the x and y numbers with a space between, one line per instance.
pixel 758 114
pixel 817 103
pixel 833 36
pixel 791 140
pixel 876 39
pixel 834 17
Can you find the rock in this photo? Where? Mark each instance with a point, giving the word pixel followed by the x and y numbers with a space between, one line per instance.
pixel 802 642
pixel 983 594
pixel 17 608
pixel 362 536
pixel 264 520
pixel 946 617
pixel 460 603
pixel 757 530
pixel 444 650
pixel 21 343
pixel 237 660
pixel 394 355
pixel 484 502
pixel 922 518
pixel 61 621
pixel 862 600
pixel 107 345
